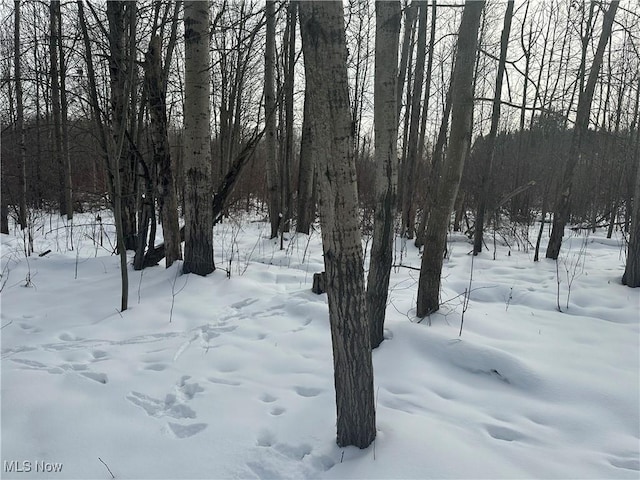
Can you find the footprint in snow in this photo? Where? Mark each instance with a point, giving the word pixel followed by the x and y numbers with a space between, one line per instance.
pixel 504 433
pixel 174 405
pixel 184 431
pixel 307 391
pixel 79 368
pixel 268 398
pixel 99 355
pixel 626 463
pixel 224 381
pixel 28 328
pixel 277 411
pixel 68 337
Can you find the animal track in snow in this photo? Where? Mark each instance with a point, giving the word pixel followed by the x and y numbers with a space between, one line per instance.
pixel 28 328
pixel 504 433
pixel 628 463
pixel 79 368
pixel 156 367
pixel 266 438
pixel 224 381
pixel 99 355
pixel 160 408
pixel 97 377
pixel 184 431
pixel 267 398
pixel 174 405
pixel 276 411
pixel 308 391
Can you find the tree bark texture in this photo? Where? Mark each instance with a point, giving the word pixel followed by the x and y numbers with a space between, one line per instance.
pixel 198 247
pixel 22 179
pixel 120 82
pixel 54 31
pixel 411 161
pixel 388 15
pixel 324 47
pixel 165 183
pixel 273 173
pixel 631 276
pixel 306 203
pixel 563 205
pixel 447 189
pixel 66 195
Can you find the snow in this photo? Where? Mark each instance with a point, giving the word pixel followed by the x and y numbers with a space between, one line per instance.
pixel 222 377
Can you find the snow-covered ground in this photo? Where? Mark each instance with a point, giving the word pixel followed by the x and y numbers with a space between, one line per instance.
pixel 222 377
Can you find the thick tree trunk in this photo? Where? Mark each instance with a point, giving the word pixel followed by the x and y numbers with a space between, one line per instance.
pixel 487 166
pixel 386 135
pixel 631 275
pixel 198 215
pixel 273 175
pixel 563 205
pixel 461 117
pixel 324 47
pixel 165 183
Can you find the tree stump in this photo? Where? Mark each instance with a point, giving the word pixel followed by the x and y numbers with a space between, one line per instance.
pixel 319 283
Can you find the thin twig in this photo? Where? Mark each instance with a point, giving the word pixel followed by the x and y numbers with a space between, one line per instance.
pixel 107 466
pixel 406 266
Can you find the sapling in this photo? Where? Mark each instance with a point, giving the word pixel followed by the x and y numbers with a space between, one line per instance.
pixel 174 292
pixel 467 297
pixel 574 266
pixel 558 289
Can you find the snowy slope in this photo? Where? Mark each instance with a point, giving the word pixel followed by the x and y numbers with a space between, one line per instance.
pixel 222 377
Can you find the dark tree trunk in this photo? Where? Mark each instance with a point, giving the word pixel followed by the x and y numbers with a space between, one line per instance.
pixel 165 183
pixel 306 204
pixel 409 166
pixel 273 173
pixel 461 117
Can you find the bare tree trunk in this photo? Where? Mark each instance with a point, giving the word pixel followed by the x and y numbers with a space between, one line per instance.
pixel 324 47
pixel 563 205
pixel 461 113
pixel 22 209
pixel 386 134
pixel 54 15
pixel 487 168
pixel 287 201
pixel 66 195
pixel 409 22
pixel 409 166
pixel 273 174
pixel 434 170
pixel 306 203
pixel 198 246
pixel 631 276
pixel 165 183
